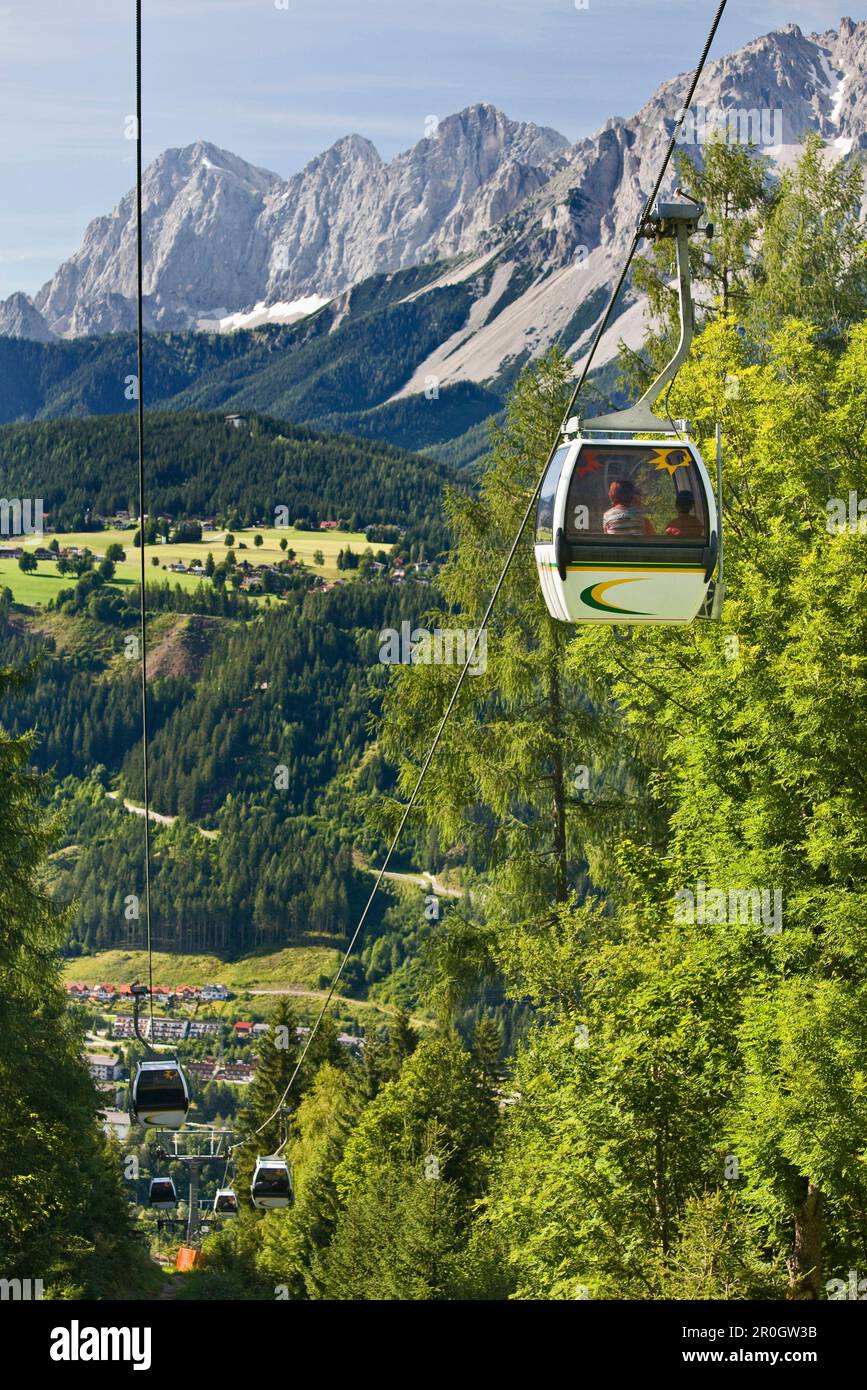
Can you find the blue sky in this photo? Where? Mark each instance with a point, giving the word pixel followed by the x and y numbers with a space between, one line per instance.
pixel 278 85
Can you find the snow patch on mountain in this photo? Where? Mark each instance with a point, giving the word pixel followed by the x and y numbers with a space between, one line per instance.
pixel 281 312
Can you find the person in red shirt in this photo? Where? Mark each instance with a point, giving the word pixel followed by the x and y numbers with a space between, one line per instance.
pixel 684 524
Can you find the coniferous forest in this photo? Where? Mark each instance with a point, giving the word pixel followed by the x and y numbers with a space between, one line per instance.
pixel 579 1068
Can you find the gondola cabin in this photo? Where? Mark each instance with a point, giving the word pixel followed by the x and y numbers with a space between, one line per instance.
pixel 159 1095
pixel 626 531
pixel 226 1202
pixel 271 1186
pixel 162 1195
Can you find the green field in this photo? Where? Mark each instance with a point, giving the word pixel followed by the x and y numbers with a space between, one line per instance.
pixel 295 968
pixel 300 966
pixel 35 590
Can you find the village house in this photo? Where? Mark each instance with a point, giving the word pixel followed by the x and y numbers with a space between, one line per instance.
pixel 104 1067
pixel 242 1072
pixel 204 1027
pixel 203 1071
pixel 166 1029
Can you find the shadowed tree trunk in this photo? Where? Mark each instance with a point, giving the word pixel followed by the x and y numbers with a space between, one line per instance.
pixel 805 1263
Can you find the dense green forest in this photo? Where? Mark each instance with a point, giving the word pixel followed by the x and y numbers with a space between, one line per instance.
pixel 261 736
pixel 64 1216
pixel 683 1112
pixel 200 467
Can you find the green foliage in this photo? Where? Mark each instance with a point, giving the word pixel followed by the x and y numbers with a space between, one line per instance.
pixel 814 254
pixel 410 1170
pixel 201 468
pixel 63 1212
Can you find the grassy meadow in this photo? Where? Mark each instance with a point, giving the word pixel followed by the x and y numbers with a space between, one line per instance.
pixel 35 590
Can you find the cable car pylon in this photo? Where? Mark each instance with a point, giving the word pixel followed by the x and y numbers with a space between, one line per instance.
pixel 194 1149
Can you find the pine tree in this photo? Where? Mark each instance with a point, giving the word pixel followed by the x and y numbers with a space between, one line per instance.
pixel 733 183
pixel 814 253
pixel 63 1213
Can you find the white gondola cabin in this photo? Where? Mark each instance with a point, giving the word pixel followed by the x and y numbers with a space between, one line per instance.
pixel 162 1195
pixel 626 531
pixel 159 1095
pixel 226 1202
pixel 272 1185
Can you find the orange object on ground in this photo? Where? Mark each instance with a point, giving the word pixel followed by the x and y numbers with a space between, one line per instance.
pixel 188 1258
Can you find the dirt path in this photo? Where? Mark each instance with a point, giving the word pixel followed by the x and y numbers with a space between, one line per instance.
pixel 420 877
pixel 424 880
pixel 155 815
pixel 173 1286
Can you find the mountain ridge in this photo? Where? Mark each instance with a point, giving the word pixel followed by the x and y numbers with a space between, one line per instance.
pixel 221 235
pixel 516 248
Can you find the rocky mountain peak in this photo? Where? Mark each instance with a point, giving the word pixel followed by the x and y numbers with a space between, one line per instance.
pixel 20 318
pixel 225 239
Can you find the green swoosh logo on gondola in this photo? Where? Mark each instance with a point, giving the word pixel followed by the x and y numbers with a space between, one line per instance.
pixel 592 597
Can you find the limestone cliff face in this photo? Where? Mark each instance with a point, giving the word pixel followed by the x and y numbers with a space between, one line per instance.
pixel 226 241
pixel 221 235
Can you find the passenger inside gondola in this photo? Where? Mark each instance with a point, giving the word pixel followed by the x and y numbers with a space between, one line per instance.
pixel 632 494
pixel 626 515
pixel 685 523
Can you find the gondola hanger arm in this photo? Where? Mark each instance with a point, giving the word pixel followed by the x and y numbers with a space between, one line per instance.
pixel 678 219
